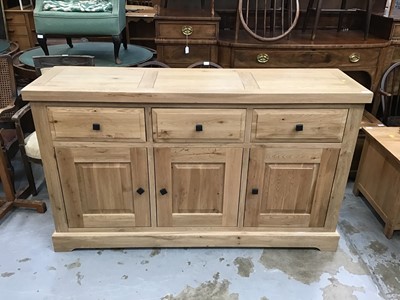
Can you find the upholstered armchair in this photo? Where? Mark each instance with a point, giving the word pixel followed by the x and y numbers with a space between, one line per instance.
pixel 70 18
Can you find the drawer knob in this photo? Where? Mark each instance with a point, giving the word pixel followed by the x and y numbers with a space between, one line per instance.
pixel 140 191
pixel 199 127
pixel 163 191
pixel 254 191
pixel 96 126
pixel 354 58
pixel 187 30
pixel 299 127
pixel 263 58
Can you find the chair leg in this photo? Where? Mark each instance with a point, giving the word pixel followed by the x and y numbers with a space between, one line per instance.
pixel 124 39
pixel 69 42
pixel 368 19
pixel 117 44
pixel 341 15
pixel 42 41
pixel 317 15
pixel 308 12
pixel 28 172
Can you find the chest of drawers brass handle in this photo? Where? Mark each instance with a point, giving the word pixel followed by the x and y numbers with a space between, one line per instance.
pixel 354 57
pixel 187 30
pixel 263 58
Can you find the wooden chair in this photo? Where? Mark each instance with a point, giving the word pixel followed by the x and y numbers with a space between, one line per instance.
pixel 390 95
pixel 13 198
pixel 267 20
pixel 205 64
pixel 10 102
pixel 80 20
pixel 153 64
pixel 341 11
pixel 48 61
pixel 26 134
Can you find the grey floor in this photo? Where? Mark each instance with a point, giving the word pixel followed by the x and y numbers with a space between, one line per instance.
pixel 365 266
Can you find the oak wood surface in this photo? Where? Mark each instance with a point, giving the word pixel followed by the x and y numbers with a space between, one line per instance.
pixel 208 200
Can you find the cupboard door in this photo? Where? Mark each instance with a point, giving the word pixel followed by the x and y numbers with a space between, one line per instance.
pixel 104 187
pixel 197 186
pixel 289 187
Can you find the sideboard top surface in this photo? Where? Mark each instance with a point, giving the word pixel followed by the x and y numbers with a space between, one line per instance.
pixel 182 85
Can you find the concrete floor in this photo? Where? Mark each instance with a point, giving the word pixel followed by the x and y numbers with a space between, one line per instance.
pixel 365 266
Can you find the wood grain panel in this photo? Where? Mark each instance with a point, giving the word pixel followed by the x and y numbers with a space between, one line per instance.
pixel 289 187
pixel 180 124
pixel 103 193
pixel 199 184
pixel 280 124
pixel 114 123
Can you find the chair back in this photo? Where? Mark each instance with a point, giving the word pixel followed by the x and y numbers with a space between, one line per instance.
pixel 390 95
pixel 153 64
pixel 267 20
pixel 8 88
pixel 205 64
pixel 48 61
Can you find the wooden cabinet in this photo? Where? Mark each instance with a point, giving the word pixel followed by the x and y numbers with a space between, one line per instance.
pixel 21 27
pixel 378 178
pixel 196 157
pixel 185 37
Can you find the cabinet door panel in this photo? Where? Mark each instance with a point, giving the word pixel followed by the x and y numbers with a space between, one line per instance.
pixel 289 187
pixel 197 186
pixel 100 186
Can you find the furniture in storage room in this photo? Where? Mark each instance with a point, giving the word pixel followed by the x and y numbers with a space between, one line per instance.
pixel 378 177
pixel 185 37
pixel 21 27
pixel 368 120
pixel 177 157
pixel 69 19
pixel 318 9
pixel 140 28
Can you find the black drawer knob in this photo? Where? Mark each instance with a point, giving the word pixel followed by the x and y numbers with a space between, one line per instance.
pixel 96 126
pixel 299 127
pixel 140 191
pixel 254 191
pixel 163 192
pixel 199 127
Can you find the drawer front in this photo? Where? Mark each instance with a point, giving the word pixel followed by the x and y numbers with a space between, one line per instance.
pixel 299 125
pixel 14 18
pixel 174 55
pixel 177 30
pixel 18 30
pixel 396 32
pixel 264 58
pixel 198 124
pixel 97 123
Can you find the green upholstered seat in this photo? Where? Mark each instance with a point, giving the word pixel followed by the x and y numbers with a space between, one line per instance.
pixel 72 23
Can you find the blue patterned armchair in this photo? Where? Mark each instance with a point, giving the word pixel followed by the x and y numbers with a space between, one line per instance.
pixel 70 18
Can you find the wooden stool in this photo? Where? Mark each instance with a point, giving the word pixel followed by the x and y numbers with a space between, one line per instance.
pixel 342 10
pixel 378 176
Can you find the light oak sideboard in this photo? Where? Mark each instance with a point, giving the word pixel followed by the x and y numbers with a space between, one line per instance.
pixel 196 157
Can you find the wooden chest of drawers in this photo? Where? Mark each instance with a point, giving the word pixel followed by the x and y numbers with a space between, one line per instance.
pixel 176 30
pixel 196 157
pixel 21 27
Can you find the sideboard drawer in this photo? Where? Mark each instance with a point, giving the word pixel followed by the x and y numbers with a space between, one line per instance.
pixel 266 58
pixel 181 29
pixel 174 56
pixel 198 124
pixel 299 124
pixel 97 123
